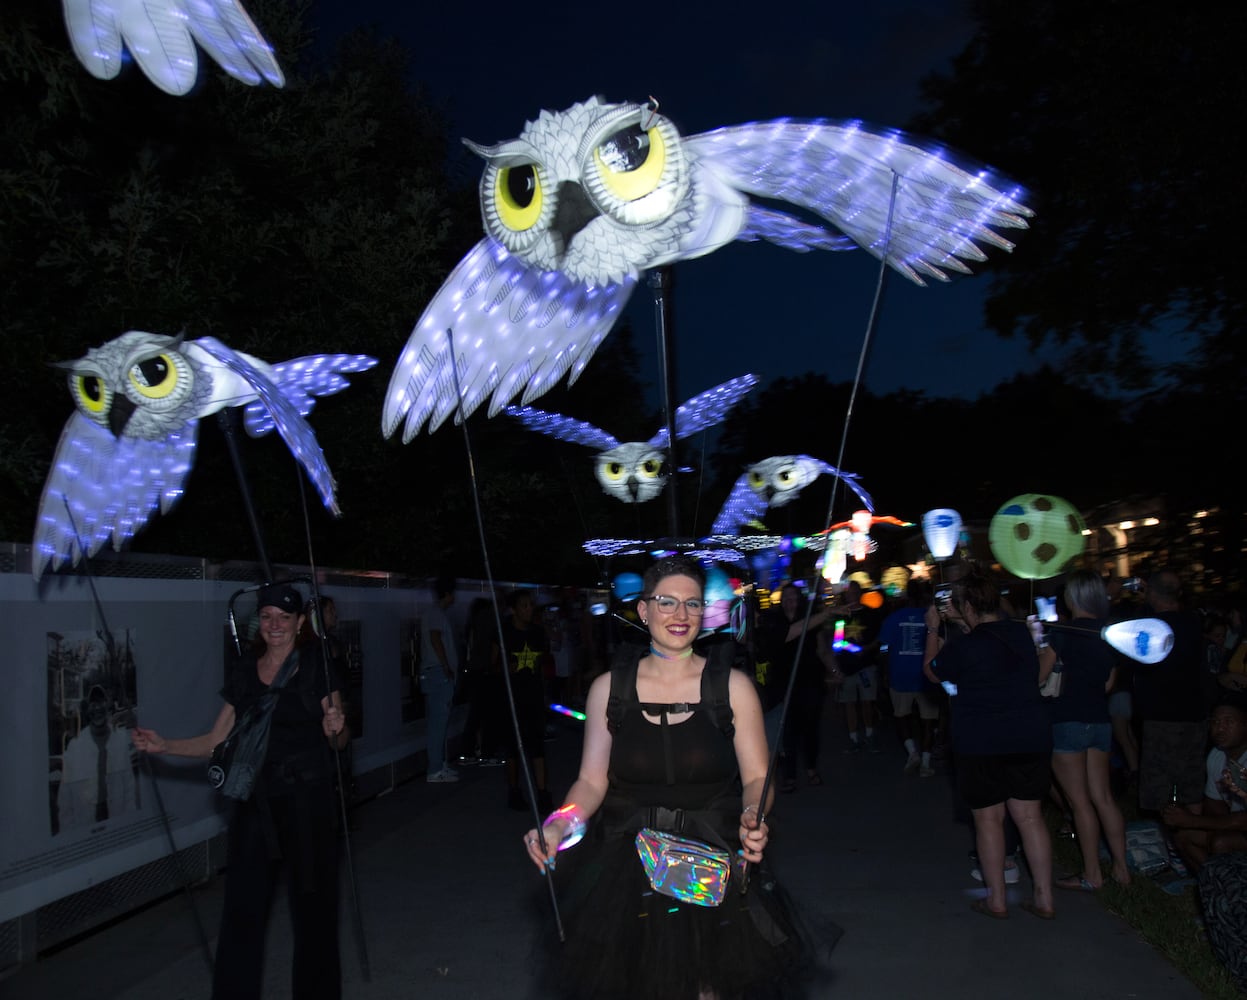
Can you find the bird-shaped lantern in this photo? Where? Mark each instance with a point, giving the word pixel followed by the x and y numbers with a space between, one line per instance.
pixel 584 200
pixel 130 445
pixel 636 471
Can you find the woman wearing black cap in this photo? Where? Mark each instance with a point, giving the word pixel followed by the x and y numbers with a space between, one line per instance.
pixel 290 816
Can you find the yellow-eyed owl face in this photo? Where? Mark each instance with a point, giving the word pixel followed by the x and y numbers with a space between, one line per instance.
pixel 597 191
pixel 136 385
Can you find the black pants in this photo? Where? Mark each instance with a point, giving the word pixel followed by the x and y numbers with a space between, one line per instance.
pixel 801 729
pixel 299 821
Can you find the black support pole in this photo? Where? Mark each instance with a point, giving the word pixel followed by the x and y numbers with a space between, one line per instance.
pixel 659 282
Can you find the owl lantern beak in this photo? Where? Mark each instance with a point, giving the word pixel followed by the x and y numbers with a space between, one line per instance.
pixel 575 211
pixel 119 415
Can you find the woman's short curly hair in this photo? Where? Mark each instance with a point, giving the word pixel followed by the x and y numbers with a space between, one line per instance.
pixel 677 565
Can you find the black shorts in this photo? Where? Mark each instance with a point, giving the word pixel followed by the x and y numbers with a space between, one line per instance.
pixel 988 779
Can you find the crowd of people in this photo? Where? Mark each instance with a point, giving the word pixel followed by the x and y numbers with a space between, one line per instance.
pixel 677 741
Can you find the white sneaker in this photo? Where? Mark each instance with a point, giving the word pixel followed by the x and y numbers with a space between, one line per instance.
pixel 445 774
pixel 911 765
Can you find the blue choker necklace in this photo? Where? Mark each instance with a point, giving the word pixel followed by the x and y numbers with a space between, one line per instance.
pixel 663 656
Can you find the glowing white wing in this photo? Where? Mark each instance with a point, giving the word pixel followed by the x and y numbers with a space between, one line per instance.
pixel 101 487
pixel 861 181
pixel 513 327
pixel 161 34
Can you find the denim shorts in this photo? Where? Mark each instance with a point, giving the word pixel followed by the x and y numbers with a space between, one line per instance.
pixel 1075 737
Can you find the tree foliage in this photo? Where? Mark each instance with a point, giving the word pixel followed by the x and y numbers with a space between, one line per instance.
pixel 1115 116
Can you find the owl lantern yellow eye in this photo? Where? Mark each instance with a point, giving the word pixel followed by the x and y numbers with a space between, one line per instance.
pixel 155 377
pixel 651 468
pixel 614 471
pixel 518 196
pixel 757 481
pixel 631 162
pixel 91 392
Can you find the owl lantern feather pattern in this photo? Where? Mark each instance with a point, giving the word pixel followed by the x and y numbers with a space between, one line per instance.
pixel 161 36
pixel 586 199
pixel 128 449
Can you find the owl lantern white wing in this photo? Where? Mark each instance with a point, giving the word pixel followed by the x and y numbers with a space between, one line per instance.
pixel 586 199
pixel 128 448
pixel 160 35
pixel 636 471
pixel 774 482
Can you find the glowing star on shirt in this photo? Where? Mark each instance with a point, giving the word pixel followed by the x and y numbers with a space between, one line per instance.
pixel 585 200
pixel 160 36
pixel 526 659
pixel 130 445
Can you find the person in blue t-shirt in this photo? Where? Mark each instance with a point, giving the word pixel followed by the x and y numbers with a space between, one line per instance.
pixel 903 641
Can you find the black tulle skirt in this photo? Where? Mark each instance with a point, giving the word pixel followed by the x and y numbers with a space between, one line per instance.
pixel 623 941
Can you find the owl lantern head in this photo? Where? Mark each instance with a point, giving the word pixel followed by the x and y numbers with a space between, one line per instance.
pixel 575 189
pixel 126 385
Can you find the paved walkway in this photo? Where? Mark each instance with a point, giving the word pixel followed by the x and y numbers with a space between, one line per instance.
pixel 449 903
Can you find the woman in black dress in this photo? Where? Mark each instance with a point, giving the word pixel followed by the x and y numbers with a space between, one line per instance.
pixel 672 742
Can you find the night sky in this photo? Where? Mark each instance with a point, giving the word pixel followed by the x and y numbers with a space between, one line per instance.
pixel 747 307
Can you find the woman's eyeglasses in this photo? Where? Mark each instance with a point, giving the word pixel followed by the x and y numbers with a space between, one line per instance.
pixel 695 606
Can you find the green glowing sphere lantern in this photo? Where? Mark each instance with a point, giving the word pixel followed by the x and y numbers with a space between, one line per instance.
pixel 1036 535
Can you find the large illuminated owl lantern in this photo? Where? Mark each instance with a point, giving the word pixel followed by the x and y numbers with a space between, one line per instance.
pixel 130 445
pixel 586 199
pixel 161 36
pixel 636 471
pixel 774 482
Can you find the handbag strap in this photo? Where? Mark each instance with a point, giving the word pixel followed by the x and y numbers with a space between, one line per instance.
pixel 267 702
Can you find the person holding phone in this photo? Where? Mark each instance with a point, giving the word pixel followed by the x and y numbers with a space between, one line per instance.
pixel 1221 826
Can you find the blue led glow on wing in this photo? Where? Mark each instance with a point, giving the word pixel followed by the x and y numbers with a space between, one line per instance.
pixel 514 328
pixel 563 428
pixel 791 234
pixel 706 409
pixel 112 487
pixel 303 381
pixel 294 430
pixel 160 35
pixel 774 482
pixel 843 172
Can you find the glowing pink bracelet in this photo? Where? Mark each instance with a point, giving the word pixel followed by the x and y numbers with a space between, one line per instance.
pixel 575 831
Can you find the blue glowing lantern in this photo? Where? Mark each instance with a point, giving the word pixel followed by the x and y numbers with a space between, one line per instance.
pixel 941 529
pixel 627 586
pixel 719 596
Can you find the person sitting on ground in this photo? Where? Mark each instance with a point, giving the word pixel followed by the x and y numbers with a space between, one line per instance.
pixel 1221 826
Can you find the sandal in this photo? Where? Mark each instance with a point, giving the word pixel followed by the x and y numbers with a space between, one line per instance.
pixel 1075 882
pixel 980 906
pixel 814 778
pixel 1038 911
pixel 788 785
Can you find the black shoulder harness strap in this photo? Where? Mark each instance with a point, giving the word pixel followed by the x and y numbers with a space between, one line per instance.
pixel 714 691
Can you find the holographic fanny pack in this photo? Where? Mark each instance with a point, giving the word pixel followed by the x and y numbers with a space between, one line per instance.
pixel 684 869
